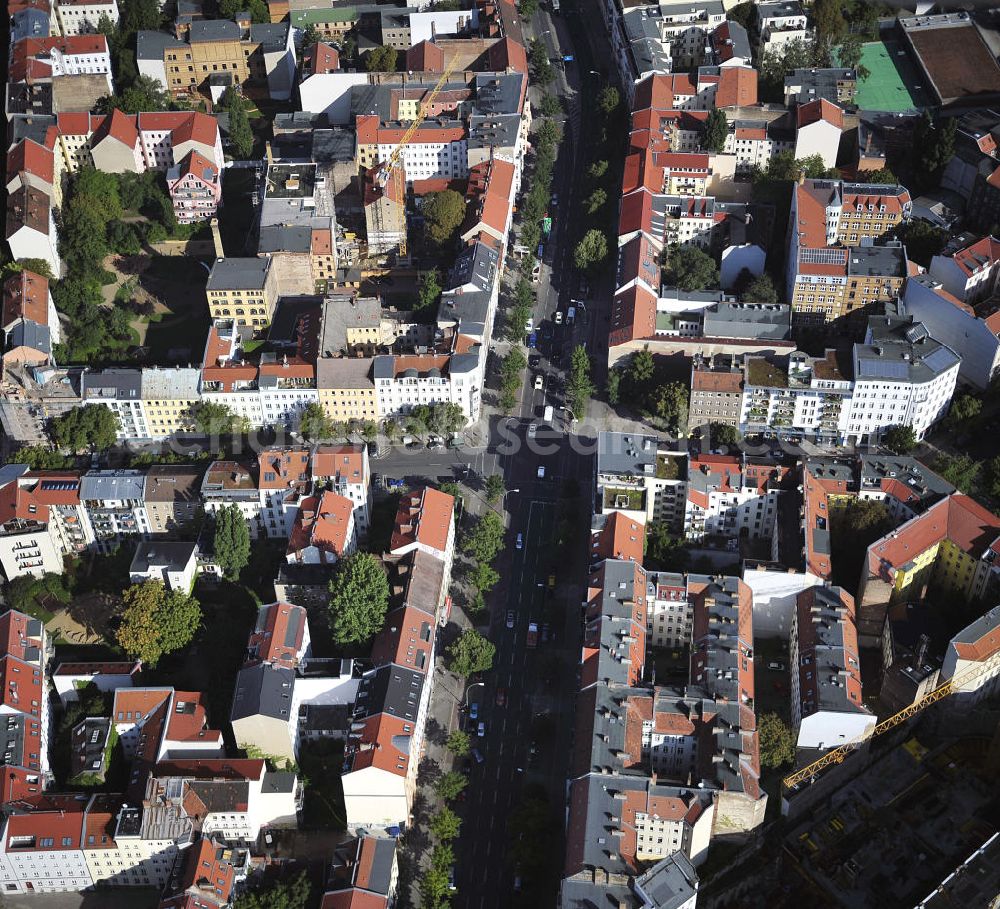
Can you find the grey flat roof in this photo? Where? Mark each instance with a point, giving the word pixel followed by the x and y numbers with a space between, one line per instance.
pixel 347 372
pixel 291 238
pixel 877 261
pixel 115 384
pixel 238 273
pixel 172 555
pixel 150 45
pixel 112 485
pixel 771 321
pixel 626 453
pixel 213 30
pixel 175 383
pixel 670 883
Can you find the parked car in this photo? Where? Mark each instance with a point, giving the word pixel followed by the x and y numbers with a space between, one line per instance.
pixel 532 430
pixel 510 618
pixel 477 755
pixel 776 666
pixel 539 382
pixel 474 711
pixel 520 541
pixel 534 361
pixel 541 473
pixel 501 697
pixel 481 729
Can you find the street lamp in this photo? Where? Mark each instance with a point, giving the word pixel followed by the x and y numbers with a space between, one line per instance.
pixel 465 700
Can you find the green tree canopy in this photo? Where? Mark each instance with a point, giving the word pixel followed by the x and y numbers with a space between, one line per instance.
pixel 214 419
pixel 144 94
pixel 608 100
pixel 381 59
pixel 900 439
pixel 156 621
pixel 991 477
pixel 445 824
pixel 671 405
pixel 959 470
pixel 471 653
pixel 922 240
pixel 314 424
pixel 761 290
pixel 458 743
pixel 723 434
pixel 932 148
pixel 777 741
pixel 495 488
pixel 428 294
pixel 592 251
pixel 716 130
pixel 443 214
pixel 665 552
pixel 289 894
pixel 579 385
pixel 91 427
pixel 450 785
pixel 964 409
pixel 485 541
pixel 231 543
pixel 359 598
pixel 240 132
pixel 596 201
pixel 883 176
pixel 689 268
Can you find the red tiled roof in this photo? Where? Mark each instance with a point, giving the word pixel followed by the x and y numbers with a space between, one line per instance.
pixel 496 201
pixel 197 164
pixel 375 744
pixel 737 87
pixel 714 380
pixel 324 522
pixel 977 256
pixel 620 538
pixel 30 157
pixel 283 467
pixel 425 57
pixel 26 296
pixel 424 516
pixel 353 899
pixel 323 58
pixel 345 462
pixel 119 126
pixel 507 54
pixel 406 639
pixel 633 315
pixel 819 109
pixel 56 827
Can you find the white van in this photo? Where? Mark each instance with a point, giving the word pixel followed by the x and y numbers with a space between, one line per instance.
pixel 571 315
pixel 547 415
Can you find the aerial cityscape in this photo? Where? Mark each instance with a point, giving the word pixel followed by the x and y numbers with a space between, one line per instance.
pixel 499 454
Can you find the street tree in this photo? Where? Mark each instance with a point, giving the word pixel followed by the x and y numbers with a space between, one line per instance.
pixel 550 106
pixel 381 59
pixel 443 214
pixel 900 439
pixel 359 598
pixel 608 100
pixel 91 428
pixel 716 130
pixel 445 824
pixel 314 424
pixel 451 784
pixel 156 621
pixel 486 539
pixel 231 542
pixel 495 488
pixel 579 385
pixel 777 741
pixel 214 419
pixel 483 577
pixel 434 888
pixel 458 743
pixel 597 170
pixel 471 653
pixel 690 268
pixel 991 477
pixel 592 251
pixel 538 63
pixel 596 201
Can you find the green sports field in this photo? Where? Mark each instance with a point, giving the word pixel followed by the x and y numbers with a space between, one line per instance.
pixel 895 83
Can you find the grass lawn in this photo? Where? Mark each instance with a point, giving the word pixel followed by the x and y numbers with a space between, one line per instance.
pixel 321 764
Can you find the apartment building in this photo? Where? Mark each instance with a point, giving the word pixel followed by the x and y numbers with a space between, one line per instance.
pixel 195 188
pixel 263 54
pixel 80 17
pixel 819 125
pixel 209 876
pixel 120 390
pixel 284 479
pixel 826 670
pixel 69 678
pixel 41 851
pixel 971 328
pixel 829 214
pixel 641 478
pixel 30 229
pixel 346 388
pixel 344 469
pixel 172 496
pixel 438 149
pixel 716 393
pixel 754 141
pixel 365 871
pixel 25 652
pixel 276 700
pixel 732 496
pixel 228 483
pixel 972 660
pixel 27 303
pixel 171 563
pixel 114 501
pixel 780 22
pixel 849 286
pixel 324 530
pixel 950 547
pixel 40 59
pixel 900 376
pixel 670 612
pixel 159 724
pixel 242 290
pixel 613 535
pixel 835 84
pixel 166 398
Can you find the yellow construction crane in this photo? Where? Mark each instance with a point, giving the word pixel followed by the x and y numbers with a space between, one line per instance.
pixel 390 170
pixel 837 755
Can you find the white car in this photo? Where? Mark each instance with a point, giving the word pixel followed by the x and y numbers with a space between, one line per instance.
pixel 532 429
pixel 541 473
pixel 539 382
pixel 529 326
pixel 520 541
pixel 558 317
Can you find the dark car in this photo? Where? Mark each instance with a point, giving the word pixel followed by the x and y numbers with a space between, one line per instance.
pixel 534 360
